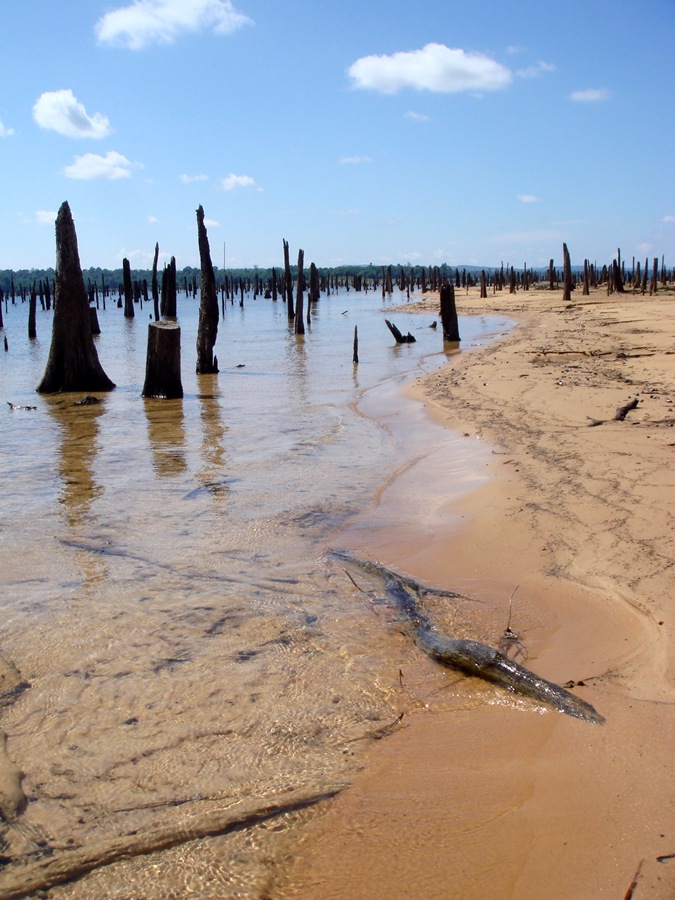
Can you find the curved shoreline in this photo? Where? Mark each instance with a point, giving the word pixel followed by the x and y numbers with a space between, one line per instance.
pixel 491 800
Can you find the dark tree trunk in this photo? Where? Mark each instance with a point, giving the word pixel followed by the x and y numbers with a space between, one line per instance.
pixel 398 336
pixel 567 276
pixel 449 313
pixel 32 307
pixel 586 288
pixel 483 285
pixel 155 290
pixel 355 355
pixel 128 290
pixel 73 363
pixel 299 324
pixel 289 283
pixel 162 366
pixel 208 304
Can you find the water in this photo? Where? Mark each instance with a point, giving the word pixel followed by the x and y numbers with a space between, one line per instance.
pixel 166 587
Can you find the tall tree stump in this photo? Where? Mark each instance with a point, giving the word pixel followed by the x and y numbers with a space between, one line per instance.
pixel 73 363
pixel 567 276
pixel 299 292
pixel 162 365
pixel 128 290
pixel 207 331
pixel 449 313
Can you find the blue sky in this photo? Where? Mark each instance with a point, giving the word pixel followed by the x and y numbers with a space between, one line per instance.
pixel 381 131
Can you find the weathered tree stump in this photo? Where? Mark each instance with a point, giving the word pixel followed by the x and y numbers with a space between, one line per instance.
pixel 567 276
pixel 162 366
pixel 128 290
pixel 93 318
pixel 449 313
pixel 299 324
pixel 155 289
pixel 207 331
pixel 73 363
pixel 355 355
pixel 32 308
pixel 288 283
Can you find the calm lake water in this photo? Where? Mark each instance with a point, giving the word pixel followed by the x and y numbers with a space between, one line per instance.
pixel 166 585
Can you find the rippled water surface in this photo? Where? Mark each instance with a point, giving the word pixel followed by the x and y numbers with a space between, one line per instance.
pixel 167 592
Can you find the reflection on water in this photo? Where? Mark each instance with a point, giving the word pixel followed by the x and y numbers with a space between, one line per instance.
pixel 166 435
pixel 165 589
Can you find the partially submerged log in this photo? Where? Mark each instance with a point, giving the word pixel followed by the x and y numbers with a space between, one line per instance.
pixel 162 365
pixel 208 304
pixel 400 338
pixel 73 363
pixel 471 657
pixel 40 874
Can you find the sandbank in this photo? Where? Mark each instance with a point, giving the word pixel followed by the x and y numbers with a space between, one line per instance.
pixel 477 794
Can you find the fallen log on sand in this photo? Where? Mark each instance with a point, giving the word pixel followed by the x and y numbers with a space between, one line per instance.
pixel 471 657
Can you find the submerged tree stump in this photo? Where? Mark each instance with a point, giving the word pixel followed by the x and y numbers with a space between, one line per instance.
pixel 449 313
pixel 400 338
pixel 299 324
pixel 288 278
pixel 207 331
pixel 162 366
pixel 128 290
pixel 73 363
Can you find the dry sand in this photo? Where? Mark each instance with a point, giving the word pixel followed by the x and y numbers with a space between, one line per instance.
pixel 477 795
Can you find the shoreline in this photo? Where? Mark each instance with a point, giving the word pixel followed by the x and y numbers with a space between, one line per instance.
pixel 475 797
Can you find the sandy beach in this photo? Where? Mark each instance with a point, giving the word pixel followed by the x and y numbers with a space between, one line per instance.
pixel 476 794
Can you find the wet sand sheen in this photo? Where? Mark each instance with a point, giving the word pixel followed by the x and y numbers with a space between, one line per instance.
pixel 480 795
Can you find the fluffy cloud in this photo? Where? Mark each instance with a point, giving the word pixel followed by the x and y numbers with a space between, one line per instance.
pixel 111 166
pixel 590 95
pixel 60 111
pixel 232 182
pixel 188 179
pixel 434 68
pixel 146 22
pixel 45 216
pixel 5 132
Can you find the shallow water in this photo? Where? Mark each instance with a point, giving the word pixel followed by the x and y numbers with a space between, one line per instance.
pixel 166 587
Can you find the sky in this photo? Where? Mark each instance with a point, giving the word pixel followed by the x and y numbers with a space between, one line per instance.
pixel 466 132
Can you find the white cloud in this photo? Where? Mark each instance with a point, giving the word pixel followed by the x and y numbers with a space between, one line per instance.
pixel 528 198
pixel 60 111
pixel 539 68
pixel 212 223
pixel 590 95
pixel 5 132
pixel 111 166
pixel 45 216
pixel 434 68
pixel 146 22
pixel 354 160
pixel 668 220
pixel 416 117
pixel 188 179
pixel 232 182
pixel 153 220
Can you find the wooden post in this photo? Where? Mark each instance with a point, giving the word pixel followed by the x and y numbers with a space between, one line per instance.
pixel 355 355
pixel 155 290
pixel 73 363
pixel 299 324
pixel 207 331
pixel 128 290
pixel 162 366
pixel 567 276
pixel 449 313
pixel 289 284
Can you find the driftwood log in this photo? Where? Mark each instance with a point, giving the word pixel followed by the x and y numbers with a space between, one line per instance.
pixel 400 338
pixel 471 657
pixel 22 880
pixel 162 365
pixel 73 363
pixel 618 416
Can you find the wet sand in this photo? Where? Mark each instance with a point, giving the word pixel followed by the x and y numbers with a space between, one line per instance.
pixel 478 794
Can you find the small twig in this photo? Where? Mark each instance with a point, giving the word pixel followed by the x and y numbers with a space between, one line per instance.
pixel 631 888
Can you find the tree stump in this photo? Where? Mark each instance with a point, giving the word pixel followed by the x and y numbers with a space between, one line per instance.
pixel 449 313
pixel 567 276
pixel 162 366
pixel 128 290
pixel 73 363
pixel 299 324
pixel 208 304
